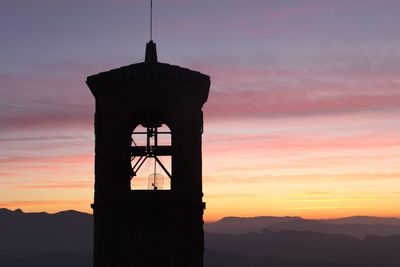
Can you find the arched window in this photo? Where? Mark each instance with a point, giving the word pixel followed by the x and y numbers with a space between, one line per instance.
pixel 150 153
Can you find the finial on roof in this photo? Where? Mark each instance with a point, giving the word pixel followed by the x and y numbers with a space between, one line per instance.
pixel 151 52
pixel 151 49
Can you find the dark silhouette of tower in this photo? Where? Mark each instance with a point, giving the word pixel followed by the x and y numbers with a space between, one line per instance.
pixel 148 227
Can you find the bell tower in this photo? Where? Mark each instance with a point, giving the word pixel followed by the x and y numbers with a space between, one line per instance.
pixel 148 113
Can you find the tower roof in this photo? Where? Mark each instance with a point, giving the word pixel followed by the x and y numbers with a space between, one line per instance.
pixel 149 70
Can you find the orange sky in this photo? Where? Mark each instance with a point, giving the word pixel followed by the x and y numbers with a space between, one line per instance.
pixel 302 117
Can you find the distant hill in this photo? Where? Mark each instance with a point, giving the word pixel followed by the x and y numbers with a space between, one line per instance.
pixel 211 259
pixel 66 239
pixel 354 226
pixel 217 259
pixel 51 259
pixel 310 246
pixel 67 231
pixel 242 225
pixel 356 230
pixel 366 220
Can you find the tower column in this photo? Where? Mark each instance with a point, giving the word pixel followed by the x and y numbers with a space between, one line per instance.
pixel 150 227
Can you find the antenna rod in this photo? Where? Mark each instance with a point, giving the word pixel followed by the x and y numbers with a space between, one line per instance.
pixel 151 20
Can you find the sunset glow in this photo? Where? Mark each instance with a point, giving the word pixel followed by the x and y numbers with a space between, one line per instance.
pixel 302 117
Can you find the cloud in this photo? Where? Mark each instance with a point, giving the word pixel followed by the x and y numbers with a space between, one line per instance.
pixel 51 93
pixel 40 203
pixel 62 159
pixel 250 144
pixel 243 178
pixel 337 207
pixel 54 185
pixel 255 103
pixel 40 138
pixel 6 175
pixel 331 199
pixel 43 101
pixel 218 196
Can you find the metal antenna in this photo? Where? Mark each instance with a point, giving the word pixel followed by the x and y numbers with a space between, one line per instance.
pixel 151 20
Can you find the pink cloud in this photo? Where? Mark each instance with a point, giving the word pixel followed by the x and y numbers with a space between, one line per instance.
pixel 54 185
pixel 292 103
pixel 61 159
pixel 6 174
pixel 289 143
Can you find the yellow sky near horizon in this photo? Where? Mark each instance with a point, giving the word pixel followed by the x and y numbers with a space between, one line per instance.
pixel 302 117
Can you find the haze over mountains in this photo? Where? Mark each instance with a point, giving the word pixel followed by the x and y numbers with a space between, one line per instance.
pixel 357 226
pixel 65 239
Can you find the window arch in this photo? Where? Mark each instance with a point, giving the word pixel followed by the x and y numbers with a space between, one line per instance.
pixel 150 155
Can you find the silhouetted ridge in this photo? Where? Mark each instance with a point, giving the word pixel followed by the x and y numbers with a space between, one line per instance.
pixel 66 231
pixel 19 212
pixel 64 239
pixel 366 220
pixel 71 212
pixel 257 218
pixel 357 226
pixel 245 224
pixel 7 211
pixel 310 246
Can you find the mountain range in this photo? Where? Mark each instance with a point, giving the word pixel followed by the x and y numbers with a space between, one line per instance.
pixel 357 226
pixel 65 239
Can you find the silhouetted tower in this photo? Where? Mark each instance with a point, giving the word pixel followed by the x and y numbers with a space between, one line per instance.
pixel 149 102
